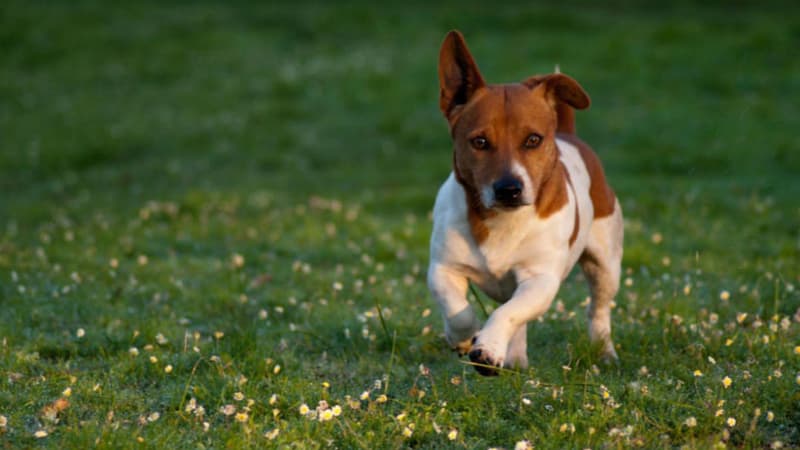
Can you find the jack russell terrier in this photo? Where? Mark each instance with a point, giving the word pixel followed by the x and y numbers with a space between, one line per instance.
pixel 525 201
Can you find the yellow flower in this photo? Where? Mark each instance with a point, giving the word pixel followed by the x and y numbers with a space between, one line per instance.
pixel 726 382
pixel 304 409
pixel 168 368
pixel 238 396
pixel 731 422
pixel 67 392
pixel 407 432
pixel 724 296
pixel 740 317
pixel 770 416
pixel 452 435
pixel 241 416
pixel 523 445
pixel 237 260
pixel 728 342
pixel 691 422
pixel 364 395
pixel 40 434
pixel 336 410
pixel 326 415
pixel 382 398
pixel 797 350
pixel 698 373
pixel 272 434
pixel 567 427
pixel 277 369
pixel 273 399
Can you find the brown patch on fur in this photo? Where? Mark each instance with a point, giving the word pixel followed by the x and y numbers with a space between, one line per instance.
pixel 565 118
pixel 459 77
pixel 476 213
pixel 552 195
pixel 576 224
pixel 602 195
pixel 568 94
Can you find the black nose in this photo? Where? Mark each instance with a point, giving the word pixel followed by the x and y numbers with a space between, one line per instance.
pixel 508 191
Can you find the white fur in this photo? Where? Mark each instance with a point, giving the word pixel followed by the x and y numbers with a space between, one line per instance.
pixel 527 187
pixel 520 264
pixel 487 196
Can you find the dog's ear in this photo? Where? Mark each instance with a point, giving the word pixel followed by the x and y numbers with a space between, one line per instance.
pixel 459 77
pixel 560 88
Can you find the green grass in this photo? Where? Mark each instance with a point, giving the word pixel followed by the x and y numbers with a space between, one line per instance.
pixel 242 194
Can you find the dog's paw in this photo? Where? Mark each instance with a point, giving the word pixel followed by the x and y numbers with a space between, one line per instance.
pixel 485 362
pixel 608 356
pixel 517 360
pixel 463 347
pixel 461 340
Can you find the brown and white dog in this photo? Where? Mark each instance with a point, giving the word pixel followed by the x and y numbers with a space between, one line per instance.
pixel 526 200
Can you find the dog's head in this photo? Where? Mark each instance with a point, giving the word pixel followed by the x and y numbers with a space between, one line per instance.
pixel 503 135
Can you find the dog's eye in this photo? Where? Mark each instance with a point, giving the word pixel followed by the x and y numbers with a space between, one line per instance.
pixel 533 141
pixel 480 143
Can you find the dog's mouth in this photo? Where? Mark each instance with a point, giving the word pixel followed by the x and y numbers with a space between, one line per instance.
pixel 509 205
pixel 505 204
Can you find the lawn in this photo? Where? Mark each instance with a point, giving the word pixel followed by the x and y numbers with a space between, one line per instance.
pixel 214 220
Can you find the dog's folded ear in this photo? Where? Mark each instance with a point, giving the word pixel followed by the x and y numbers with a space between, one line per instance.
pixel 459 77
pixel 560 88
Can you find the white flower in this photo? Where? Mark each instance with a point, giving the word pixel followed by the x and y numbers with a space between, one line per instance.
pixel 304 409
pixel 523 445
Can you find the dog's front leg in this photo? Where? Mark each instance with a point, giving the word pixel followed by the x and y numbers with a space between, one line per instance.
pixel 449 288
pixel 531 299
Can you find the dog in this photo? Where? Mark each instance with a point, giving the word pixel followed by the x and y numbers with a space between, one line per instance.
pixel 526 200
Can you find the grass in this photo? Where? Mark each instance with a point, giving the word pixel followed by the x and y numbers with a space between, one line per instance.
pixel 224 208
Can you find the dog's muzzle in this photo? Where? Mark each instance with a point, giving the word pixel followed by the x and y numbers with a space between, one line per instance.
pixel 508 192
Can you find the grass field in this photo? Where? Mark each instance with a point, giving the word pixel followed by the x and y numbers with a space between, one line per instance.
pixel 214 216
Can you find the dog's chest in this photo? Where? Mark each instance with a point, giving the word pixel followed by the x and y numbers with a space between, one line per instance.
pixel 516 241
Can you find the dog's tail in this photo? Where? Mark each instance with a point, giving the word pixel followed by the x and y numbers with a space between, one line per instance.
pixel 565 115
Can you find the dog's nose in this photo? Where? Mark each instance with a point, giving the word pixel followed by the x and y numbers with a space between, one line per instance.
pixel 507 191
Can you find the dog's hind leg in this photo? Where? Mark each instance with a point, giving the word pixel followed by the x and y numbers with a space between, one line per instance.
pixel 601 263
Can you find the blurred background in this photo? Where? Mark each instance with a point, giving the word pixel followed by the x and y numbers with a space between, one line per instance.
pixel 131 101
pixel 172 173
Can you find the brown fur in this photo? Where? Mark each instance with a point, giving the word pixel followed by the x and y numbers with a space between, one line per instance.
pixel 576 225
pixel 602 195
pixel 566 118
pixel 505 115
pixel 552 196
pixel 476 214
